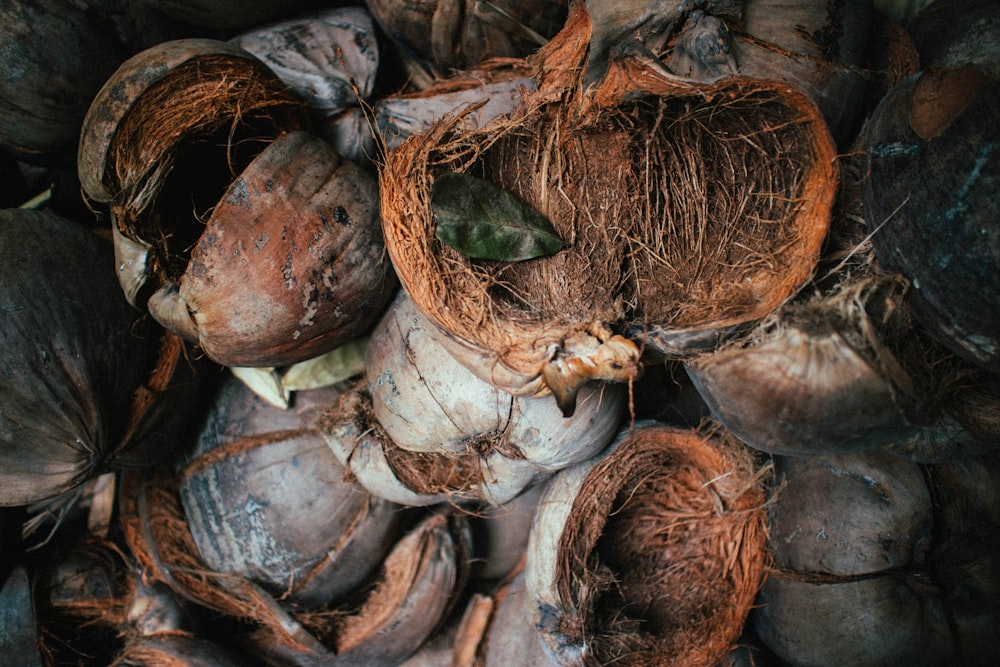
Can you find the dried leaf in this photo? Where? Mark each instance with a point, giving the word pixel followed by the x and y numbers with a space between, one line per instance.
pixel 326 369
pixel 482 220
pixel 265 382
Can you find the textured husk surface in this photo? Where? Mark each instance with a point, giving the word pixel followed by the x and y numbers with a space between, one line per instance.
pixel 664 549
pixel 684 207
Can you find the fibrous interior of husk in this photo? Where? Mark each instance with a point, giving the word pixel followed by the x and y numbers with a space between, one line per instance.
pixel 183 141
pixel 663 553
pixel 681 208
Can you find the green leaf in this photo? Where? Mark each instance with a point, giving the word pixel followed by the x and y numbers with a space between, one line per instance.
pixel 482 220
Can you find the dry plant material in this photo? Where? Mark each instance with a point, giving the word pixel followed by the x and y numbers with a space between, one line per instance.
pixel 87 387
pixel 688 211
pixel 655 552
pixel 932 150
pixel 841 371
pixel 175 650
pixel 851 580
pixel 266 499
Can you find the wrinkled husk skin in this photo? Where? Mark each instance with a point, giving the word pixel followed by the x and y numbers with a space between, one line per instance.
pixel 931 193
pixel 265 498
pixel 79 387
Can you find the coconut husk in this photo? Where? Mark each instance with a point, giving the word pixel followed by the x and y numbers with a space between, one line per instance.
pixel 688 210
pixel 654 552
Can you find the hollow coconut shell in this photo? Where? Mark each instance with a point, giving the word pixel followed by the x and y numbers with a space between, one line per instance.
pixel 650 259
pixel 290 264
pixel 265 498
pixel 836 373
pixel 653 551
pixel 931 191
pixel 88 387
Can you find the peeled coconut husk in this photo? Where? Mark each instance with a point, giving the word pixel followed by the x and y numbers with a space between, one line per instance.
pixel 884 619
pixel 89 387
pixel 18 631
pixel 388 620
pixel 644 177
pixel 652 552
pixel 175 650
pixel 839 372
pixel 265 498
pixel 416 478
pixel 850 537
pixel 930 194
pixel 428 401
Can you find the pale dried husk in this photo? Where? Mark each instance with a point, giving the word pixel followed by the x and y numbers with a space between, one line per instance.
pixel 427 401
pixel 389 620
pixel 842 371
pixel 502 534
pixel 266 499
pixel 512 638
pixel 552 323
pixel 652 552
pixel 415 478
pixel 329 58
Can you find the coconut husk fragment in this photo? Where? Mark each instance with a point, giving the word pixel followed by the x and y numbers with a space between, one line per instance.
pixel 653 552
pixel 688 211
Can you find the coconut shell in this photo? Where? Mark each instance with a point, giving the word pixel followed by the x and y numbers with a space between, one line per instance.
pixel 552 323
pixel 953 33
pixel 512 638
pixel 836 373
pixel 653 551
pixel 933 180
pixel 175 650
pixel 889 619
pixel 88 387
pixel 56 57
pixel 290 263
pixel 266 499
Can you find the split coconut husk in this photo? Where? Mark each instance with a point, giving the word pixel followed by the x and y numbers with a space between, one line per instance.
pixel 265 498
pixel 930 193
pixel 88 387
pixel 175 650
pixel 651 553
pixel 850 581
pixel 290 263
pixel 386 620
pixel 835 373
pixel 688 211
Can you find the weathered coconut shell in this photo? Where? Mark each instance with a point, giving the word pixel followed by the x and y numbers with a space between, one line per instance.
pixel 56 57
pixel 329 58
pixel 888 619
pixel 513 638
pixel 953 33
pixel 457 34
pixel 816 47
pixel 290 263
pixel 836 373
pixel 649 254
pixel 266 499
pixel 931 193
pixel 653 551
pixel 87 387
pixel 849 515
